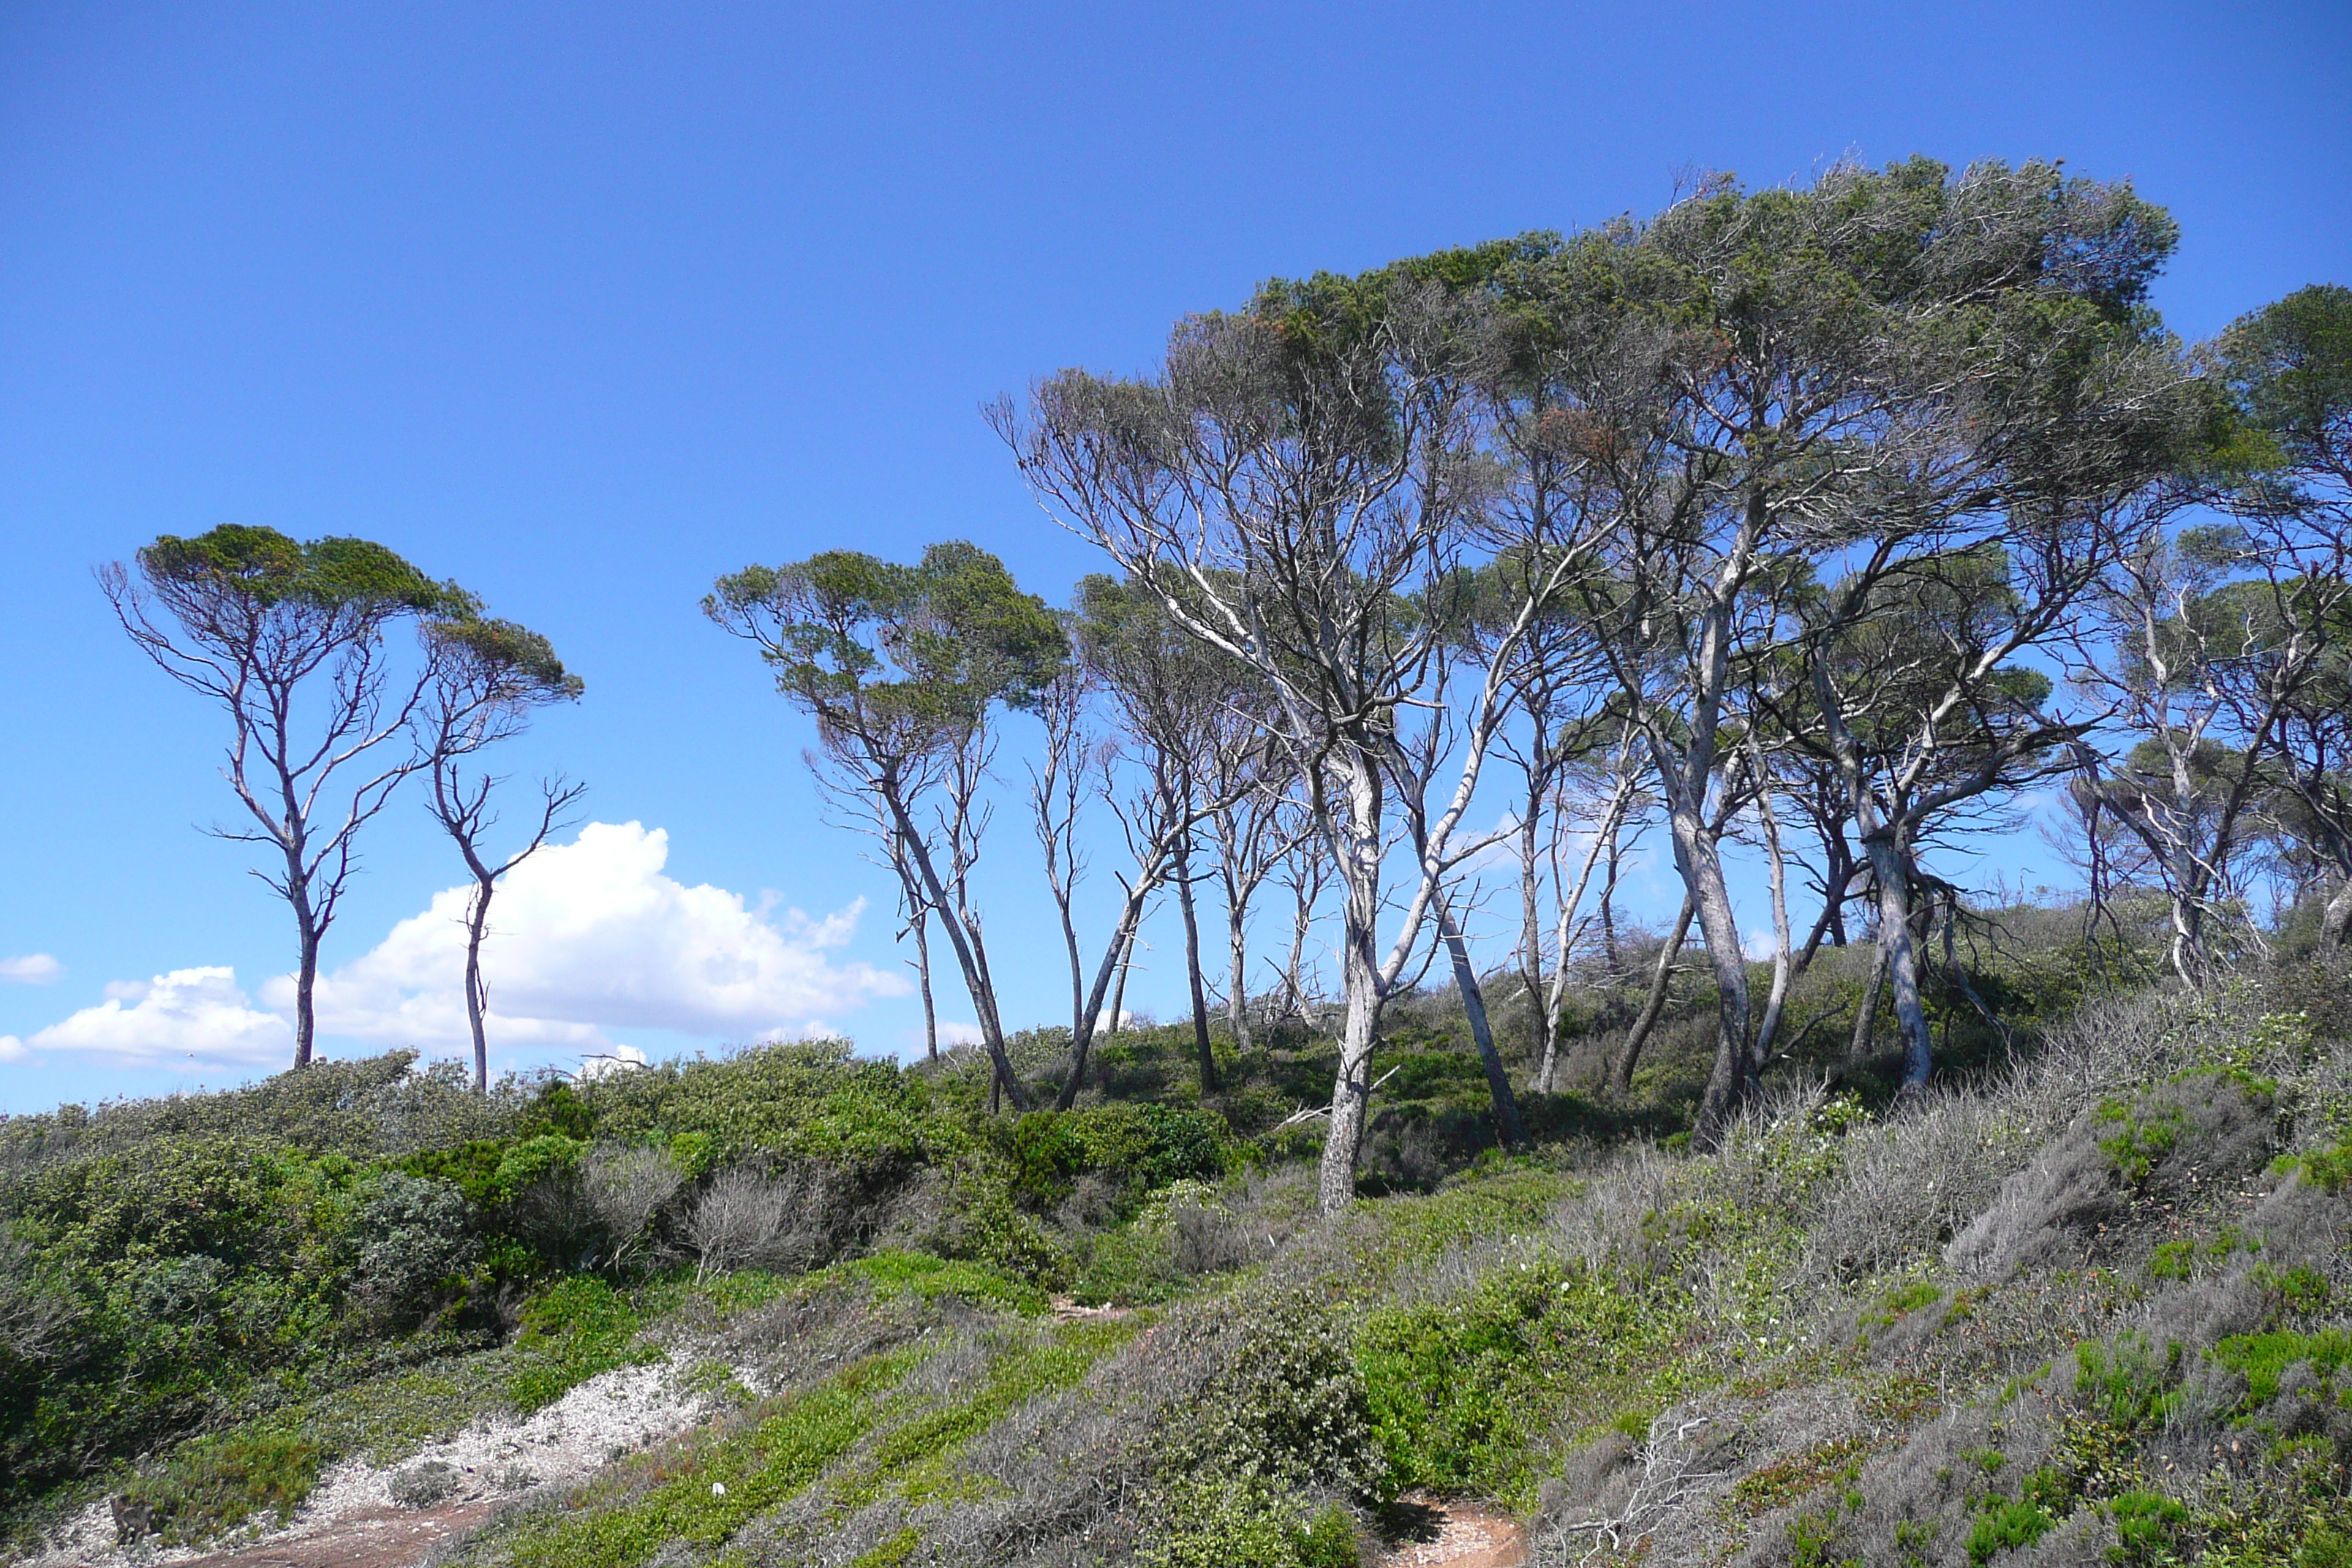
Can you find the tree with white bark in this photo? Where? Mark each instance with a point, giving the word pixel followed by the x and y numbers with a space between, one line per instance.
pixel 489 676
pixel 1299 480
pixel 902 669
pixel 290 639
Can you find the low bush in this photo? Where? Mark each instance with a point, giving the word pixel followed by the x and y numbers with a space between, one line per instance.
pixel 218 1483
pixel 574 1331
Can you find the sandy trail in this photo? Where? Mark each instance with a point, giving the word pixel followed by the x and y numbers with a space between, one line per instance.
pixel 353 1517
pixel 1462 1535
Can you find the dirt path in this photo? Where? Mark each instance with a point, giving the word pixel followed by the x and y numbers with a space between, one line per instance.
pixel 388 1538
pixel 355 1515
pixel 1461 1535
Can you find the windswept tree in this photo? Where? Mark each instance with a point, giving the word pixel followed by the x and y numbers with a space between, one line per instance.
pixel 1173 694
pixel 2219 637
pixel 2288 368
pixel 488 678
pixel 902 667
pixel 289 639
pixel 1296 482
pixel 1760 387
pixel 1250 779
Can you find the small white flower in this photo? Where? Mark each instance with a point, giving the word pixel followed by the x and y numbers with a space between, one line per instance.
pixel 718 1489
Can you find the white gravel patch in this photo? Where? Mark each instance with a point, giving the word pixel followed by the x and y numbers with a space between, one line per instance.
pixel 621 1411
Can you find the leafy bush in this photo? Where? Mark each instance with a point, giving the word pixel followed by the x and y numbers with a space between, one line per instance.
pixel 2265 1358
pixel 925 1277
pixel 217 1483
pixel 412 1234
pixel 2145 1523
pixel 2126 1383
pixel 578 1328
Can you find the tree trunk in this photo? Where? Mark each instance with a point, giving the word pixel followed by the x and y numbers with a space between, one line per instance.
pixel 1351 1089
pixel 1507 1120
pixel 1901 951
pixel 1866 1021
pixel 306 981
pixel 923 984
pixel 1192 966
pixel 1531 949
pixel 1118 990
pixel 1733 1078
pixel 2336 923
pixel 1237 936
pixel 1113 962
pixel 477 920
pixel 1640 1033
pixel 970 957
pixel 1610 957
pixel 1564 933
pixel 1293 973
pixel 1778 865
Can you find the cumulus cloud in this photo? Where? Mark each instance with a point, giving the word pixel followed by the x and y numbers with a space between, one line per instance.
pixel 29 969
pixel 188 1012
pixel 592 935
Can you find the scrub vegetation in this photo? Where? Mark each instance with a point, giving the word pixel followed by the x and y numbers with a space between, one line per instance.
pixel 2086 1302
pixel 1821 532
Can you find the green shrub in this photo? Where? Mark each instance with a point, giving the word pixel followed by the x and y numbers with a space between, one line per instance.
pixel 412 1234
pixel 2326 1169
pixel 577 1329
pixel 2139 1141
pixel 1286 1408
pixel 2005 1524
pixel 217 1483
pixel 2145 1525
pixel 2127 1383
pixel 1204 1522
pixel 920 1275
pixel 1461 1392
pixel 1138 1148
pixel 2264 1358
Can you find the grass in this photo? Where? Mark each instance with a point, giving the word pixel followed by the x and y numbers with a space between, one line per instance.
pixel 2265 1358
pixel 916 1456
pixel 919 1276
pixel 579 1329
pixel 710 1493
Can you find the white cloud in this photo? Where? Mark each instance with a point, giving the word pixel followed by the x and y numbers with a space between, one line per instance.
pixel 622 1058
pixel 197 1013
pixel 29 969
pixel 591 935
pixel 12 1049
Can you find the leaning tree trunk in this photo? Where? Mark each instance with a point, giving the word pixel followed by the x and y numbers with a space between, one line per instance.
pixel 477 920
pixel 1656 1003
pixel 1507 1120
pixel 2335 922
pixel 1900 952
pixel 1118 988
pixel 1193 967
pixel 1733 1078
pixel 1352 1088
pixel 971 958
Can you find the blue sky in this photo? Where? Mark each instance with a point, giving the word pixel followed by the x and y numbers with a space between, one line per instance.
pixel 583 305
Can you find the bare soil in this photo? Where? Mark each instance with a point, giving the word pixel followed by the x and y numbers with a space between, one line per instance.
pixel 1459 1536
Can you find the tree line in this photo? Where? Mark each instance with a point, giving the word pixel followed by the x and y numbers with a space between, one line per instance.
pixel 1824 522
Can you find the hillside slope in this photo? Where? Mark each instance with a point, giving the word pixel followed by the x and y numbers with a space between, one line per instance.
pixel 2094 1307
